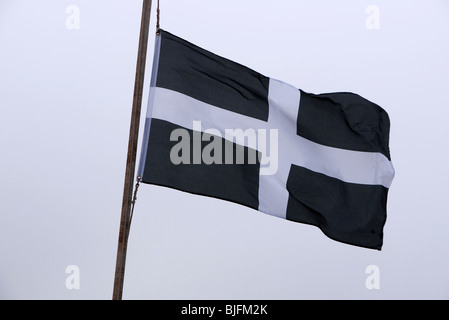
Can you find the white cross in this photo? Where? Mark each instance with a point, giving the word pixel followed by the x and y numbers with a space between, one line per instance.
pixel 350 166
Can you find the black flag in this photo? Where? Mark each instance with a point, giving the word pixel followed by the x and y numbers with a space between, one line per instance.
pixel 219 129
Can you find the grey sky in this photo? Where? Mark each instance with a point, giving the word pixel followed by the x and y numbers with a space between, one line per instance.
pixel 65 98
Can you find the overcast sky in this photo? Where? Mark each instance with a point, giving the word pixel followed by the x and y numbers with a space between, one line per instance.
pixel 66 88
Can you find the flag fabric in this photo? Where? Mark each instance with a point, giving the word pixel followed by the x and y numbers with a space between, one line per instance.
pixel 217 128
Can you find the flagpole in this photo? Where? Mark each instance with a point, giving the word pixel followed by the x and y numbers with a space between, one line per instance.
pixel 132 151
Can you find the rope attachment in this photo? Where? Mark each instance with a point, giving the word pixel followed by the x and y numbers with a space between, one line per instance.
pixel 133 202
pixel 158 19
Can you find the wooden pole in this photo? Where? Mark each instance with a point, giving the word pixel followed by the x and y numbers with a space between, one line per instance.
pixel 132 151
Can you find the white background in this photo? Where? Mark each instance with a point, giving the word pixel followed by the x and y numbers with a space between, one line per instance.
pixel 65 99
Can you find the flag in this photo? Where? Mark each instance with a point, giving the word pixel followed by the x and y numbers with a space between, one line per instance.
pixel 217 128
